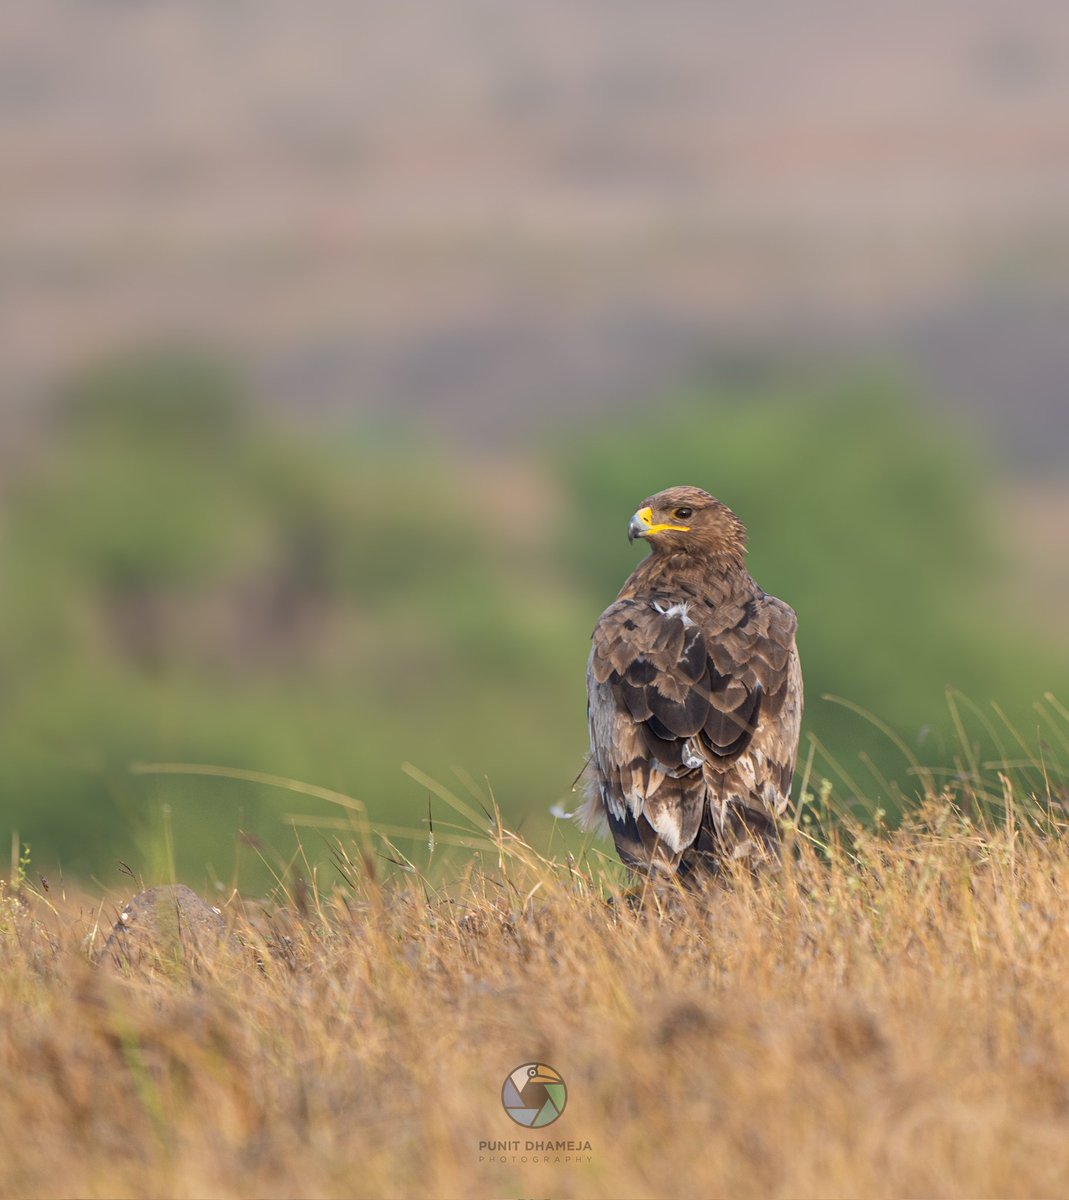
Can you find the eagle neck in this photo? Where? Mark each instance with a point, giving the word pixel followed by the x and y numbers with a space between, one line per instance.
pixel 666 572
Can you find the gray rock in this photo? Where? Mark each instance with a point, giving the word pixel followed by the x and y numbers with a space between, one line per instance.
pixel 168 928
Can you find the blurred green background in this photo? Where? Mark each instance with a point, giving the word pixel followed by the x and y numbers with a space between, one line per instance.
pixel 189 582
pixel 337 348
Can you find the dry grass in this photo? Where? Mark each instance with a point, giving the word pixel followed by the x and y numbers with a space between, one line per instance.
pixel 885 1018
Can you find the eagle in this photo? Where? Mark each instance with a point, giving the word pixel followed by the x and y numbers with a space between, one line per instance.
pixel 695 698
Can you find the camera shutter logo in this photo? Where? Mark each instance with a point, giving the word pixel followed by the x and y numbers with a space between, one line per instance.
pixel 534 1095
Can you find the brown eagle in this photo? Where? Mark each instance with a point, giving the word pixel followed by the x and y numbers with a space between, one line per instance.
pixel 695 696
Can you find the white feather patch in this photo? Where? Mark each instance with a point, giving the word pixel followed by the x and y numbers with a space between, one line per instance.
pixel 680 610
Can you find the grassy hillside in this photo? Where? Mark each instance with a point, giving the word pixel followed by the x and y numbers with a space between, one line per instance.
pixel 882 1018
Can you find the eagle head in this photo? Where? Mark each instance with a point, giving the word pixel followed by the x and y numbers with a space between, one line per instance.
pixel 687 520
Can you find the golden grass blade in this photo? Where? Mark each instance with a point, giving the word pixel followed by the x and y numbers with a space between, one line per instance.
pixel 279 781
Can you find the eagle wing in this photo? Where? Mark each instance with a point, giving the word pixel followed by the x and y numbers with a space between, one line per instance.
pixel 695 708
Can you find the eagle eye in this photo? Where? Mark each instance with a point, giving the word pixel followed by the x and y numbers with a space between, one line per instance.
pixel 681 514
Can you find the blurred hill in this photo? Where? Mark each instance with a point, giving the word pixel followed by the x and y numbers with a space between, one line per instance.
pixel 487 220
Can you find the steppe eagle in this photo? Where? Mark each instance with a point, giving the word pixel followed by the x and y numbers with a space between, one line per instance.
pixel 695 697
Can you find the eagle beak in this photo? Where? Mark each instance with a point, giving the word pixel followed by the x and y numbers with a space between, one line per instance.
pixel 641 523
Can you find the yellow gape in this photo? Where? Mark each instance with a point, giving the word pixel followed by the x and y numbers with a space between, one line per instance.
pixel 642 524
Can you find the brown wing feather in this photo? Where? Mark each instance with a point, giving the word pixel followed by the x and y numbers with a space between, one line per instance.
pixel 695 701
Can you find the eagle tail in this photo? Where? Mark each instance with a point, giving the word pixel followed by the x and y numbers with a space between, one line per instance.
pixel 741 835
